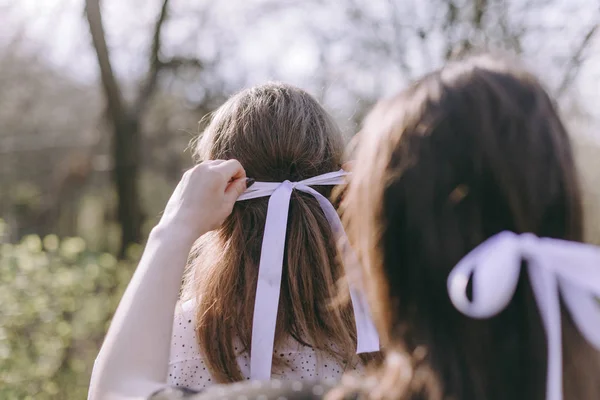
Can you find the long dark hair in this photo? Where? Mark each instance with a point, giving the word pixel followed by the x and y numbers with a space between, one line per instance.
pixel 464 153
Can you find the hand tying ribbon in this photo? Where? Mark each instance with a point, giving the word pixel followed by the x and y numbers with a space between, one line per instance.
pixel 271 265
pixel 554 267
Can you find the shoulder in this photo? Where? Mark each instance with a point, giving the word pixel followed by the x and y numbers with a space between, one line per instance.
pixel 186 364
pixel 184 344
pixel 185 315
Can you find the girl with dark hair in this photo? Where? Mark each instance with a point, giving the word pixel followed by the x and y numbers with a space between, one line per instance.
pixel 465 154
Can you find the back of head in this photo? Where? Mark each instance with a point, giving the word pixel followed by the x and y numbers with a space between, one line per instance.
pixel 277 132
pixel 466 152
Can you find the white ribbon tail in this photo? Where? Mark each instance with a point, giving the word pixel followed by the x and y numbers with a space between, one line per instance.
pixel 545 289
pixel 271 268
pixel 366 335
pixel 269 283
pixel 577 267
pixel 584 309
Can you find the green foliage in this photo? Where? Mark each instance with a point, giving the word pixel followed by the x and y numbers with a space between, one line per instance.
pixel 57 299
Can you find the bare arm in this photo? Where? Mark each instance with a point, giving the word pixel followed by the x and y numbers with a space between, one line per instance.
pixel 133 361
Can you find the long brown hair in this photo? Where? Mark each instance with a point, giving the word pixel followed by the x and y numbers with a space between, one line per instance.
pixel 277 132
pixel 464 153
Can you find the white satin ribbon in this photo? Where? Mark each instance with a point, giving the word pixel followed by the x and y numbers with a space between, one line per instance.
pixel 555 267
pixel 271 265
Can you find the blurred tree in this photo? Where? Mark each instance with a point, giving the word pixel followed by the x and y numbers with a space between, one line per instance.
pixel 126 118
pixel 47 124
pixel 374 48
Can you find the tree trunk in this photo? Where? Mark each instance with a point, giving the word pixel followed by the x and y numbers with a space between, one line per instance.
pixel 125 136
pixel 125 118
pixel 126 154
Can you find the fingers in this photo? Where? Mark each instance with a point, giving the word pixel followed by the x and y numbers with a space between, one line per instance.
pixel 235 189
pixel 228 174
pixel 231 170
pixel 234 175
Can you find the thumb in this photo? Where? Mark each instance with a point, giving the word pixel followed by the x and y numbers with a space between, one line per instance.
pixel 235 189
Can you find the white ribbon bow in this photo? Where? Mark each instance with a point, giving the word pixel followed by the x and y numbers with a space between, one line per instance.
pixel 271 265
pixel 554 266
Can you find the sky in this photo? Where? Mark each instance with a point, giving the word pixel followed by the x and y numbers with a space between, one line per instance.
pixel 279 47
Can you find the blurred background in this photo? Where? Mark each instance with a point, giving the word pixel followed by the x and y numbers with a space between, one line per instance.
pixel 99 100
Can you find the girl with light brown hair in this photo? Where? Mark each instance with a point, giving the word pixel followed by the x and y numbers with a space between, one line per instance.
pixel 258 297
pixel 278 133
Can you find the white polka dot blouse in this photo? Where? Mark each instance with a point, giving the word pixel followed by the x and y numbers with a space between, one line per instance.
pixel 187 368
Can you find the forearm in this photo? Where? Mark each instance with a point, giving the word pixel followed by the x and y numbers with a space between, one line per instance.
pixel 134 357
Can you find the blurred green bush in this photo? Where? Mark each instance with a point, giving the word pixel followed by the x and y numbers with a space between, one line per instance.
pixel 56 298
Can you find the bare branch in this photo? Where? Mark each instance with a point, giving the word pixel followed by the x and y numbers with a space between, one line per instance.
pixel 110 85
pixel 156 38
pixel 125 137
pixel 479 9
pixel 575 61
pixel 399 39
pixel 177 62
pixel 449 25
pixel 155 64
